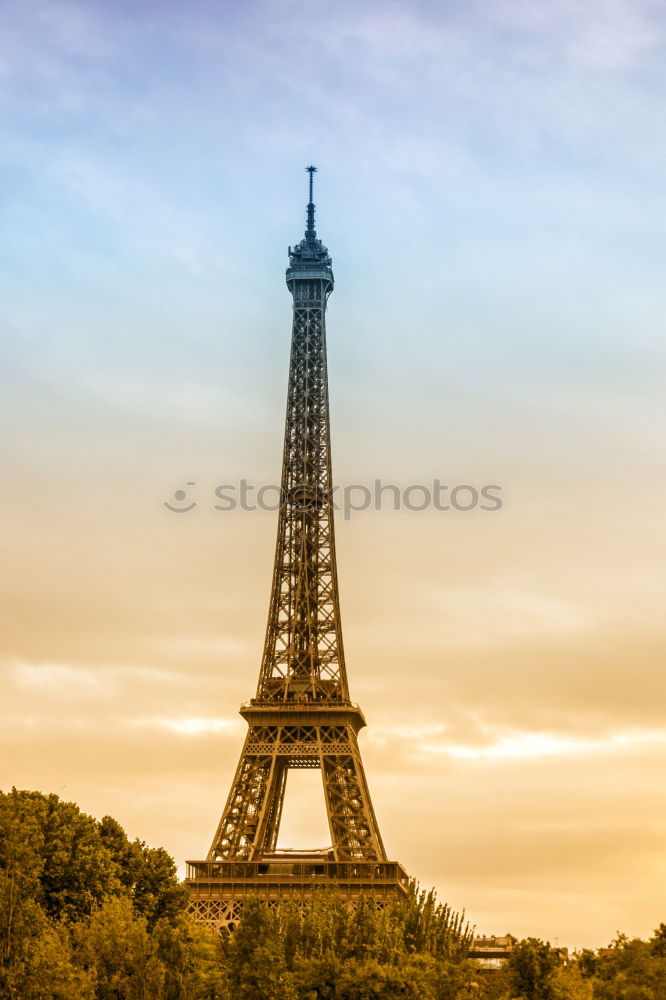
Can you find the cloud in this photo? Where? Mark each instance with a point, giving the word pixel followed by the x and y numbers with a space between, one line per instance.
pixel 517 746
pixel 599 35
pixel 57 677
pixel 192 726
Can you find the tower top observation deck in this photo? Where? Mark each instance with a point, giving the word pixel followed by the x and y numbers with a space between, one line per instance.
pixel 310 259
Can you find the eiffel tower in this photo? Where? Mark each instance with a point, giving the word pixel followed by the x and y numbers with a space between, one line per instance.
pixel 301 715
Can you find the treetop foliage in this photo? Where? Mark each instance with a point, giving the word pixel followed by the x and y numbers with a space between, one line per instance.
pixel 69 862
pixel 87 914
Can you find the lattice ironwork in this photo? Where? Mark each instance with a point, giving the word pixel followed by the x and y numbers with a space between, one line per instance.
pixel 301 715
pixel 250 822
pixel 303 653
pixel 225 913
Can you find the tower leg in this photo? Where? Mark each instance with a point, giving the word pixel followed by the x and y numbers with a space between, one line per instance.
pixel 353 825
pixel 251 791
pixel 271 814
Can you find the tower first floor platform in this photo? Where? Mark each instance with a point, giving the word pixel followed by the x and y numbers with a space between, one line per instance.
pixel 218 889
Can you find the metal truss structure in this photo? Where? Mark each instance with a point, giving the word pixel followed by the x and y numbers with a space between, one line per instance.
pixel 301 715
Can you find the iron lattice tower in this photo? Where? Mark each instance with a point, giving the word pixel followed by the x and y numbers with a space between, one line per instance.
pixel 301 715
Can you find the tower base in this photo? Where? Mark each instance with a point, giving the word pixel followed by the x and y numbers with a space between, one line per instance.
pixel 218 889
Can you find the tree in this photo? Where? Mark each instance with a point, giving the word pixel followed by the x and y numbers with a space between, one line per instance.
pixel 45 969
pixel 192 957
pixel 631 969
pixel 587 962
pixel 21 867
pixel 317 978
pixel 256 960
pixel 432 927
pixel 532 965
pixel 372 980
pixel 569 983
pixel 157 894
pixel 115 946
pixel 53 852
pixel 148 874
pixel 658 942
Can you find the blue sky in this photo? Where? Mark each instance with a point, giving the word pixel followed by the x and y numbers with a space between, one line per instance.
pixel 491 190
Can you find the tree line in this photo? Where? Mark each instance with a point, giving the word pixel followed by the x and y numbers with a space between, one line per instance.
pixel 87 914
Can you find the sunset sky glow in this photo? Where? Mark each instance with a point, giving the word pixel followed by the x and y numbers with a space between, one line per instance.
pixel 491 189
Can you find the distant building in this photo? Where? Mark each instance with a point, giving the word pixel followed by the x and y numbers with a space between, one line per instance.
pixel 492 952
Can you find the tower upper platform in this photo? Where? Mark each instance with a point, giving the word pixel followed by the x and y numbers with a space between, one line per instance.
pixel 310 259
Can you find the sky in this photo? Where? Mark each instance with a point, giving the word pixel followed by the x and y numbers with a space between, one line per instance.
pixel 491 190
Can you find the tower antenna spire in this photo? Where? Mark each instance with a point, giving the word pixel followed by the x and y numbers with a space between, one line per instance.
pixel 310 230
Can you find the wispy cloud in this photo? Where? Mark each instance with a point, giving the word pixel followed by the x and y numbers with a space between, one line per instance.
pixel 518 746
pixel 191 726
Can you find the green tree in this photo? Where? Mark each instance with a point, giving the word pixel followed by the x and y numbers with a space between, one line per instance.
pixel 157 894
pixel 256 957
pixel 317 978
pixel 482 985
pixel 45 969
pixel 631 969
pixel 432 927
pixel 55 852
pixel 587 962
pixel 115 946
pixel 532 965
pixel 569 983
pixel 21 867
pixel 123 853
pixel 658 942
pixel 148 874
pixel 192 957
pixel 373 980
